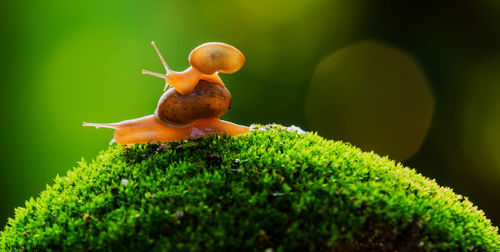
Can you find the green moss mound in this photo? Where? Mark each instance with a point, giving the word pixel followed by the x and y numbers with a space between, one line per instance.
pixel 271 188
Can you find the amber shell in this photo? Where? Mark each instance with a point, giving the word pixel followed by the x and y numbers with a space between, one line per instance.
pixel 214 57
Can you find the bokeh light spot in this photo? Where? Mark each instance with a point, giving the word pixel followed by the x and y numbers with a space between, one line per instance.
pixel 373 96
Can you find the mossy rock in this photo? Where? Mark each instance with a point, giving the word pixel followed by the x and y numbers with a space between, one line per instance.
pixel 273 188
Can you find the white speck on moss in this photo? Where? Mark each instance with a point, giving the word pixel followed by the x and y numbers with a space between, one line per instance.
pixel 124 182
pixel 294 128
pixel 290 129
pixel 253 127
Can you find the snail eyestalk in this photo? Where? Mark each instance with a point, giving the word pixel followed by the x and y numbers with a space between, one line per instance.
pixel 154 74
pixel 161 58
pixel 101 125
pixel 167 69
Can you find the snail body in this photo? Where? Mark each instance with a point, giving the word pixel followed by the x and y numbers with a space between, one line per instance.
pixel 148 129
pixel 192 108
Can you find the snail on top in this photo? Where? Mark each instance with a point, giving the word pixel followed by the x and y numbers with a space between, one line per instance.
pixel 192 107
pixel 206 60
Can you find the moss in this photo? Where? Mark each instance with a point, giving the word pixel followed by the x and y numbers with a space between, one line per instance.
pixel 270 188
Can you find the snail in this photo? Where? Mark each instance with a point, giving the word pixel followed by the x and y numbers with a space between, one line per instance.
pixel 206 61
pixel 194 104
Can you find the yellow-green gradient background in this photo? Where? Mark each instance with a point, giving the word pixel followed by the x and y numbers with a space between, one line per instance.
pixel 419 82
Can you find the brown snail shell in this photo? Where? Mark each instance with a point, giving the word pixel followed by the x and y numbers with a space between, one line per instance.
pixel 207 100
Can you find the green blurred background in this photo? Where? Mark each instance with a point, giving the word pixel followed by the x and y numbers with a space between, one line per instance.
pixel 419 82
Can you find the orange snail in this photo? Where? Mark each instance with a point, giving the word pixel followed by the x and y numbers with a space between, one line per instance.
pixel 192 108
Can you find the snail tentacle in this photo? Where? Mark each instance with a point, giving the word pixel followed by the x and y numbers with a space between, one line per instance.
pixel 161 58
pixel 101 125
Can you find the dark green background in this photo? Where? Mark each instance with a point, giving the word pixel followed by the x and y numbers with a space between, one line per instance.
pixel 64 62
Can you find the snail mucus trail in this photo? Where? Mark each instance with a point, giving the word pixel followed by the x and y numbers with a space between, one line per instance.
pixel 194 100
